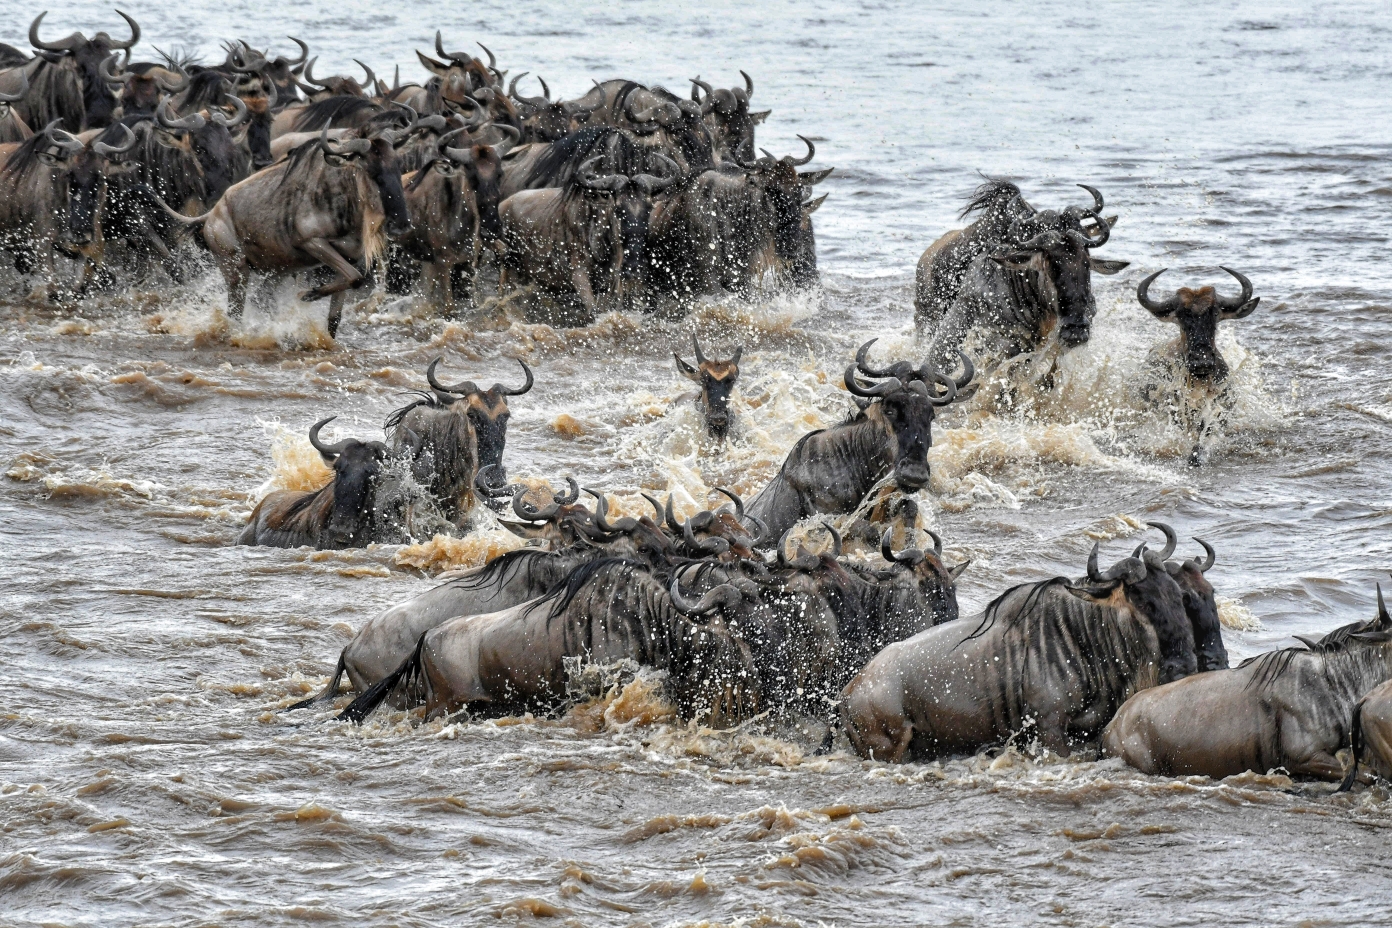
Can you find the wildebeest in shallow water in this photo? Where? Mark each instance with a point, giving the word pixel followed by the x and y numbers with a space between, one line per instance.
pixel 716 379
pixel 1290 708
pixel 1199 603
pixel 1197 313
pixel 344 513
pixel 831 470
pixel 1052 659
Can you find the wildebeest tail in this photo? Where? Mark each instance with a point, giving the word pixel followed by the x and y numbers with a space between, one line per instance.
pixel 175 214
pixel 1355 748
pixel 328 692
pixel 377 693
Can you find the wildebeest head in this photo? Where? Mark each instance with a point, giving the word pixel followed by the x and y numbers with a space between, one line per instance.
pixel 732 123
pixel 77 59
pixel 633 202
pixel 629 537
pixel 79 172
pixel 487 410
pixel 358 467
pixel 215 146
pixel 142 84
pixel 460 74
pixel 718 533
pixel 1197 313
pixel 1199 602
pixel 1152 594
pixel 1055 250
pixel 936 581
pixel 281 72
pixel 787 193
pixel 903 404
pixel 483 165
pixel 544 119
pixel 717 381
pixel 316 89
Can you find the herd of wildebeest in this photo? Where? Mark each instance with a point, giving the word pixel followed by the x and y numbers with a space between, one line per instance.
pixel 631 197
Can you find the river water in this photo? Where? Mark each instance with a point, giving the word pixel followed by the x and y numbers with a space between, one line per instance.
pixel 146 777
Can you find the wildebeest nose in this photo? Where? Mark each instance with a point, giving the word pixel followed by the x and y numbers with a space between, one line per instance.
pixel 1074 335
pixel 398 228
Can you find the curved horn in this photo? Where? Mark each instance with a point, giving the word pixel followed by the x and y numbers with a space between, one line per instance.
pixel 65 45
pixel 879 389
pixel 486 488
pixel 135 32
pixel 968 371
pixel 749 90
pixel 657 507
pixel 304 52
pixel 706 546
pixel 700 357
pixel 23 89
pixel 463 388
pixel 1132 569
pixel 308 73
pixel 949 390
pixel 835 535
pixel 1227 302
pixel 697 87
pixel 522 389
pixel 866 369
pixel 734 498
pixel 1382 616
pixel 371 78
pixel 587 177
pixel 670 516
pixel 492 61
pixel 457 57
pixel 351 146
pixel 503 146
pixel 811 151
pixel 1163 308
pixel 572 493
pixel 239 113
pixel 724 594
pixel 1098 241
pixel 601 515
pixel 63 139
pixel 328 451
pixel 1098 204
pixel 937 542
pixel 1170 538
pixel 106 151
pixel 105 71
pixel 173 86
pixel 908 556
pixel 530 513
pixel 164 115
pixel 530 101
pixel 1206 565
pixel 801 562
pixel 651 183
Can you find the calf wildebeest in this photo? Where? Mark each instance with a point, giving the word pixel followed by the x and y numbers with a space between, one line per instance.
pixel 586 241
pixel 1052 659
pixel 831 470
pixel 1035 283
pixel 329 203
pixel 453 433
pixel 65 79
pixel 1370 734
pixel 605 611
pixel 52 191
pixel 1289 708
pixel 716 379
pixel 1197 313
pixel 344 513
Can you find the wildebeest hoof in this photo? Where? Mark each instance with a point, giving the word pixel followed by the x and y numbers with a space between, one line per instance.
pixel 309 296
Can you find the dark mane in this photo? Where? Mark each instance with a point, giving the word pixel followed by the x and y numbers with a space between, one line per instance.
pixel 328 111
pixel 296 159
pixel 511 563
pixel 426 399
pixel 560 596
pixel 1269 667
pixel 1038 589
pixel 990 194
pixel 25 157
pixel 206 89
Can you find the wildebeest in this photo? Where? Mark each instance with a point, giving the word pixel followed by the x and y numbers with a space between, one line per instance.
pixel 831 470
pixel 345 513
pixel 716 379
pixel 329 203
pixel 730 120
pixel 1199 602
pixel 1052 660
pixel 453 200
pixel 143 84
pixel 544 119
pixel 1370 734
pixel 1290 708
pixel 65 79
pixel 1036 283
pixel 52 190
pixel 13 128
pixel 1197 313
pixel 587 241
pixel 487 410
pixel 605 611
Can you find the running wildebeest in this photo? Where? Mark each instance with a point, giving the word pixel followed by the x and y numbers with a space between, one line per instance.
pixel 831 470
pixel 1051 661
pixel 716 379
pixel 344 513
pixel 1290 708
pixel 1197 313
pixel 65 79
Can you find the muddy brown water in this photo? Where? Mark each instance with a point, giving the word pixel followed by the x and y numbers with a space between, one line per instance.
pixel 147 778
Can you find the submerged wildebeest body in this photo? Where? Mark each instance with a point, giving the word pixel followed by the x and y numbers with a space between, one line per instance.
pixel 1050 661
pixel 52 193
pixel 1034 283
pixel 328 203
pixel 1197 313
pixel 716 380
pixel 345 513
pixel 453 433
pixel 1290 709
pixel 831 470
pixel 605 611
pixel 65 79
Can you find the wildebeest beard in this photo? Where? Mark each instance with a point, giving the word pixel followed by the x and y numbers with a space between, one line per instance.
pixel 633 208
pixel 382 167
pixel 86 191
pixel 357 475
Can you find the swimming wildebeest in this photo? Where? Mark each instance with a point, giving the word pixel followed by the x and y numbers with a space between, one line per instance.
pixel 1289 708
pixel 1199 603
pixel 328 203
pixel 1019 289
pixel 1197 313
pixel 1053 660
pixel 345 513
pixel 831 470
pixel 716 379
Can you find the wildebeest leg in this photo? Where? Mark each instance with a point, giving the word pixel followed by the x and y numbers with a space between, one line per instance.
pixel 348 275
pixel 580 279
pixel 461 284
pixel 335 313
pixel 234 271
pixel 1321 765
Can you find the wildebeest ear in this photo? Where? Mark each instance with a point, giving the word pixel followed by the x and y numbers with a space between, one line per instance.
pixel 954 572
pixel 1102 266
pixel 1015 260
pixel 814 177
pixel 1310 643
pixel 810 206
pixel 759 117
pixel 1112 221
pixel 686 369
pixel 1243 311
pixel 438 68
